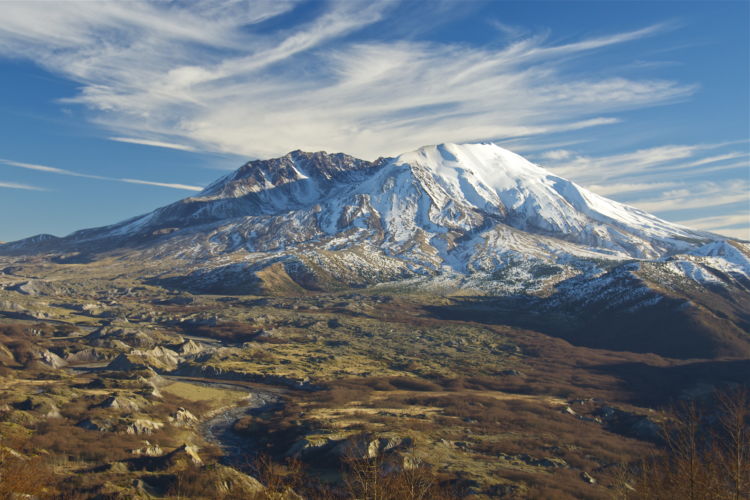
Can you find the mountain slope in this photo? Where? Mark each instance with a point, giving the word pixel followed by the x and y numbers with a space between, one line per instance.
pixel 455 205
pixel 446 209
pixel 437 219
pixel 463 211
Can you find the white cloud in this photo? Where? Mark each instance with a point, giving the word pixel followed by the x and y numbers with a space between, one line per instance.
pixel 40 168
pixel 702 195
pixel 620 188
pixel 198 75
pixel 735 226
pixel 15 185
pixel 162 184
pixel 719 222
pixel 742 233
pixel 202 76
pixel 156 144
pixel 557 154
pixel 509 30
pixel 653 163
pixel 61 171
pixel 673 181
pixel 587 170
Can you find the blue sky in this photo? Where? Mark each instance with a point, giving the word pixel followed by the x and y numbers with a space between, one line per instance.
pixel 111 109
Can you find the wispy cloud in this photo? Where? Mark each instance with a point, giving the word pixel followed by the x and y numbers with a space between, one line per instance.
pixel 207 76
pixel 674 181
pixel 625 187
pixel 735 226
pixel 160 74
pixel 162 184
pixel 653 163
pixel 71 173
pixel 15 185
pixel 156 144
pixel 509 30
pixel 701 195
pixel 44 168
pixel 719 222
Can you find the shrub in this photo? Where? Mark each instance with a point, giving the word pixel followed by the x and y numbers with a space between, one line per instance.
pixel 22 477
pixel 707 454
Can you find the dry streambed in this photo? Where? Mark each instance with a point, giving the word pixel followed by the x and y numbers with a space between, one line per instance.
pixel 218 428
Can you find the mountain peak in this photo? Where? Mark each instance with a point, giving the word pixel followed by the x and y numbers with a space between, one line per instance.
pixel 313 170
pixel 494 164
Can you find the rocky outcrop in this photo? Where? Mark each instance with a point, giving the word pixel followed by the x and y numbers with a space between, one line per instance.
pixel 159 358
pixel 211 371
pixel 234 484
pixel 119 403
pixel 190 347
pixel 179 458
pixel 125 362
pixel 143 426
pixel 361 446
pixel 91 355
pixel 51 359
pixel 365 446
pixel 630 424
pixel 107 336
pixel 148 450
pixel 183 418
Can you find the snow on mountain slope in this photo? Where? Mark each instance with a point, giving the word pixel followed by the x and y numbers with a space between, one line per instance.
pixel 468 188
pixel 549 254
pixel 464 207
pixel 444 209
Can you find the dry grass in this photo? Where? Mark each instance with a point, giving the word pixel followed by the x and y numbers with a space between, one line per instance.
pixel 211 395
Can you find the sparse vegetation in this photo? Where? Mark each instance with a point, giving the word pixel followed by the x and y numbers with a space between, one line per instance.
pixel 498 409
pixel 707 453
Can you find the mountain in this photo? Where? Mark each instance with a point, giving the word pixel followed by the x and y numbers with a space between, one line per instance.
pixel 446 209
pixel 441 218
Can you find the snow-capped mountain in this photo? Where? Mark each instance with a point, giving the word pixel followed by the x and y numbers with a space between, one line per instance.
pixel 456 205
pixel 439 219
pixel 460 210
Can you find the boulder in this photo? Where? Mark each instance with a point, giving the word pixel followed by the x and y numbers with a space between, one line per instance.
pixel 52 411
pixel 630 424
pixel 587 477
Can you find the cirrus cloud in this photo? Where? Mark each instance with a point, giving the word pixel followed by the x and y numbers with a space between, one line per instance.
pixel 205 76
